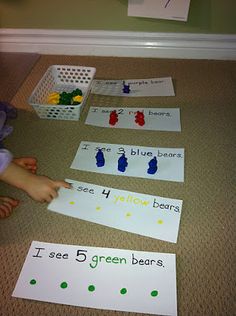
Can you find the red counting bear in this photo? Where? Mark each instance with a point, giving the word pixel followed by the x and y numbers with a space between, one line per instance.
pixel 139 118
pixel 113 118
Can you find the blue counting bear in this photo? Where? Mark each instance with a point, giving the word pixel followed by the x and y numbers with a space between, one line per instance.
pixel 152 166
pixel 100 158
pixel 122 163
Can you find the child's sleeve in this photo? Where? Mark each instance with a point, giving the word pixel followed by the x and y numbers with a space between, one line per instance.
pixel 5 159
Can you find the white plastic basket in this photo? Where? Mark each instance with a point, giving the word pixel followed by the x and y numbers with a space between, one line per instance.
pixel 59 78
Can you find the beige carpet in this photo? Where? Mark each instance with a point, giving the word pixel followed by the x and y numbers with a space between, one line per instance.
pixel 205 93
pixel 14 68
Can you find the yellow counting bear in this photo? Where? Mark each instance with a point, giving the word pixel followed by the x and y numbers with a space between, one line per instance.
pixel 78 98
pixel 53 98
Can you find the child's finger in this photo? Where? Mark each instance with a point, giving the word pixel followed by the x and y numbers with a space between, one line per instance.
pixel 59 184
pixel 5 210
pixel 26 160
pixel 32 168
pixel 9 200
pixel 31 160
pixel 53 194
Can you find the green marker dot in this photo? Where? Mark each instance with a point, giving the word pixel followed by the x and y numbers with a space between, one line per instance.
pixel 123 291
pixel 91 288
pixel 64 285
pixel 33 282
pixel 154 293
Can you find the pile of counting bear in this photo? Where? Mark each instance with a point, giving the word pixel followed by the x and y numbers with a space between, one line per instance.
pixel 65 98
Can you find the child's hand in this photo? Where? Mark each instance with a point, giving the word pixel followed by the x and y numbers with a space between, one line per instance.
pixel 43 189
pixel 40 188
pixel 7 205
pixel 28 163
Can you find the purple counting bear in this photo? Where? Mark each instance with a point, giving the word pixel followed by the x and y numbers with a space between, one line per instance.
pixel 126 88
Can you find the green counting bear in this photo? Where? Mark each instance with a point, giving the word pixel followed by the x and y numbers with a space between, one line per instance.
pixel 71 98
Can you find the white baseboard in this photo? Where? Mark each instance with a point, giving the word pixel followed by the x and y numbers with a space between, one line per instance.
pixel 119 43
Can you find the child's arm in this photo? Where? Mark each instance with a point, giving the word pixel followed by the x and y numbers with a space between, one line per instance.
pixel 40 188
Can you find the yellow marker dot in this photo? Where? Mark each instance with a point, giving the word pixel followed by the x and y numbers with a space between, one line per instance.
pixel 72 202
pixel 160 221
pixel 98 208
pixel 128 214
